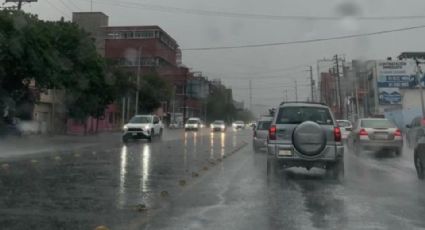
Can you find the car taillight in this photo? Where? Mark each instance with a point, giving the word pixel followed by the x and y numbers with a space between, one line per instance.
pixel 337 134
pixel 363 132
pixel 423 122
pixel 272 132
pixel 397 133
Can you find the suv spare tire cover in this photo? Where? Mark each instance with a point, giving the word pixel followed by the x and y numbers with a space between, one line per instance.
pixel 309 138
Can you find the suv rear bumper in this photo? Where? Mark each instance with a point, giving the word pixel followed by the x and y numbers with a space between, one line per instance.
pixel 280 152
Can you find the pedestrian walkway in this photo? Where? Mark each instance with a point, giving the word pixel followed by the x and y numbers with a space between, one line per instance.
pixel 26 145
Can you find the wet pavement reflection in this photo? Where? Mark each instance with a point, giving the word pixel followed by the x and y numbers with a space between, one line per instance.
pixel 110 186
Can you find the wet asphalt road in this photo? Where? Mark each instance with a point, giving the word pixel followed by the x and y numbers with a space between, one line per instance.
pixel 202 181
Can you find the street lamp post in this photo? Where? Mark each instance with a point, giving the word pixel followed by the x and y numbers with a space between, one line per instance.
pixel 136 109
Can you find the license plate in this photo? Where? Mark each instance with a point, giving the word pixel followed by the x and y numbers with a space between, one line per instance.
pixel 134 134
pixel 285 153
pixel 381 136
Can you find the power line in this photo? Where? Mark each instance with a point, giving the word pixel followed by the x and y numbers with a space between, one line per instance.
pixel 306 41
pixel 75 5
pixel 57 8
pixel 201 12
pixel 66 5
pixel 286 86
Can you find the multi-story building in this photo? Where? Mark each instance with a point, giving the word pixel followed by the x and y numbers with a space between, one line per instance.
pixel 93 23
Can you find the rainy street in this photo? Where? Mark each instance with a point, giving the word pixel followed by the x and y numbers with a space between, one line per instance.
pixel 204 181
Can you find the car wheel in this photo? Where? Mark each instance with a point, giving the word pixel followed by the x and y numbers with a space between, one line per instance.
pixel 336 170
pixel 272 166
pixel 398 151
pixel 419 165
pixel 125 139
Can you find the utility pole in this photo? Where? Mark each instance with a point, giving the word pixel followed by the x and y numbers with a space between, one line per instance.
pixel 296 91
pixel 339 86
pixel 185 98
pixel 123 111
pixel 312 83
pixel 250 94
pixel 139 62
pixel 418 77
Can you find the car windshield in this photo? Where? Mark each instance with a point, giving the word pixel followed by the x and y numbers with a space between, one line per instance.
pixel 218 122
pixel 192 121
pixel 343 123
pixel 140 120
pixel 297 115
pixel 377 123
pixel 263 125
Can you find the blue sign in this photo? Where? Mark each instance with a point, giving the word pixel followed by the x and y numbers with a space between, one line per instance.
pixel 389 96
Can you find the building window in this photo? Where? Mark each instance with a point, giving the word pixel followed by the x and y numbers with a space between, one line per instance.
pixel 144 34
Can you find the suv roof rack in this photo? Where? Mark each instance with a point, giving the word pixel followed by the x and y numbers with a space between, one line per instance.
pixel 304 102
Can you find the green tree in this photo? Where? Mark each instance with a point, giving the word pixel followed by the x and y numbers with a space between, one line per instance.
pixel 153 90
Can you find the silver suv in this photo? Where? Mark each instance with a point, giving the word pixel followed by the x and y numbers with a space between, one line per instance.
pixel 305 135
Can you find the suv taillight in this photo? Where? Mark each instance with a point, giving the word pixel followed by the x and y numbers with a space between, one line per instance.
pixel 397 133
pixel 337 134
pixel 423 122
pixel 272 132
pixel 363 132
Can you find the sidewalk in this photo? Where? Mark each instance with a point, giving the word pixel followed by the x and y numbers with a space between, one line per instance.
pixel 26 145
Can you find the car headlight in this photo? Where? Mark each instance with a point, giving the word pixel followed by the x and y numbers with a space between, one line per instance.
pixel 223 126
pixel 196 125
pixel 125 127
pixel 212 126
pixel 186 125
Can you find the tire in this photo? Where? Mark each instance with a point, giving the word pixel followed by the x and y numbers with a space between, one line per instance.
pixel 125 139
pixel 336 170
pixel 398 151
pixel 272 166
pixel 419 165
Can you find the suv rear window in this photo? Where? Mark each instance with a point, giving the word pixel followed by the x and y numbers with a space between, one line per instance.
pixel 297 115
pixel 264 125
pixel 377 124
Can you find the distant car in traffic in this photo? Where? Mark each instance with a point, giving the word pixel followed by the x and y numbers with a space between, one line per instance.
pixel 415 130
pixel 142 127
pixel 238 125
pixel 376 134
pixel 305 134
pixel 218 126
pixel 193 123
pixel 346 128
pixel 261 131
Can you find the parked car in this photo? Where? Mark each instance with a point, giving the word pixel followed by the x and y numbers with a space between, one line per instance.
pixel 376 134
pixel 238 125
pixel 142 127
pixel 193 123
pixel 415 130
pixel 305 134
pixel 11 128
pixel 261 131
pixel 218 126
pixel 346 128
pixel 419 157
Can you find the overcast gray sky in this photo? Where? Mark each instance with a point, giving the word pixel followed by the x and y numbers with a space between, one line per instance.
pixel 266 64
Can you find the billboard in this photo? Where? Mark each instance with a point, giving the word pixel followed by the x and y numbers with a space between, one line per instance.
pixel 389 96
pixel 397 74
